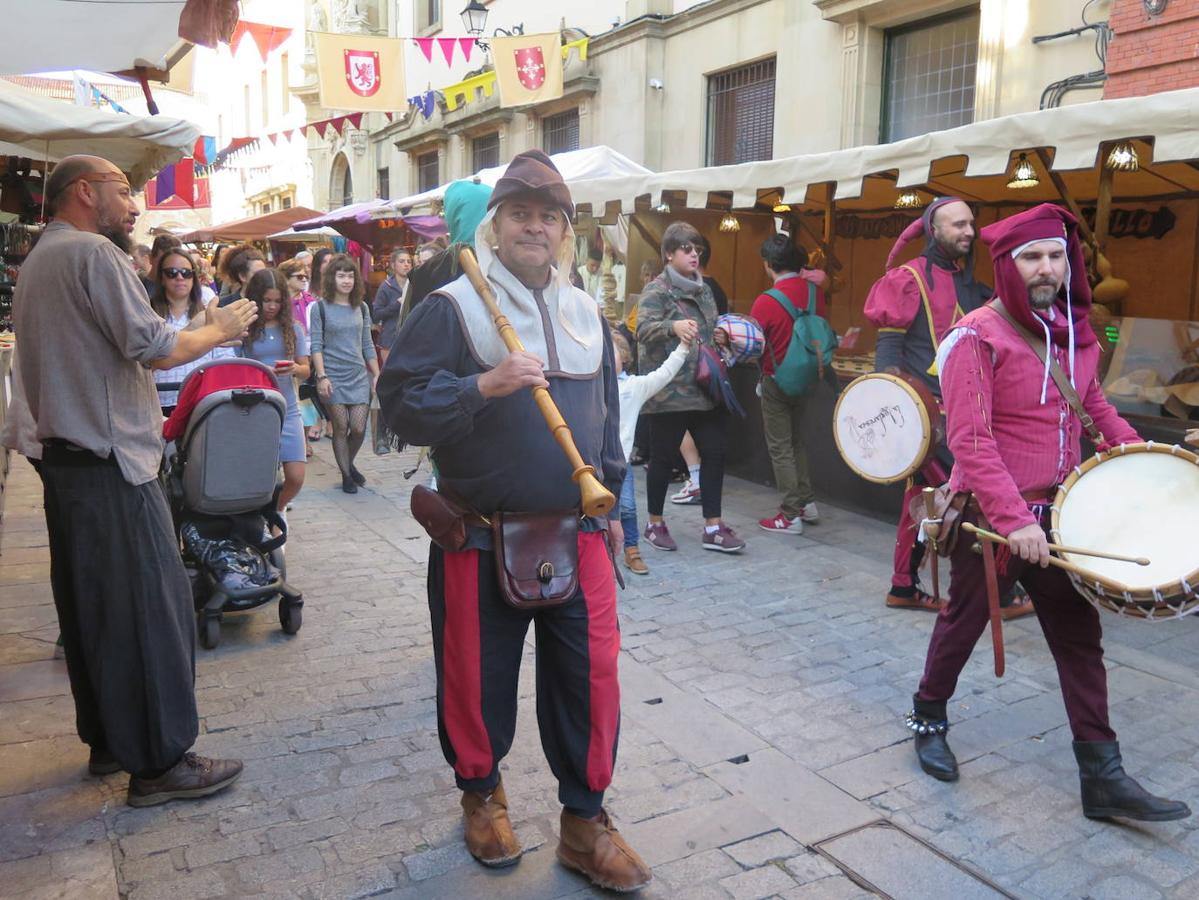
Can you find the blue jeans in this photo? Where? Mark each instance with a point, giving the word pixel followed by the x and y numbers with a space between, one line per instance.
pixel 628 508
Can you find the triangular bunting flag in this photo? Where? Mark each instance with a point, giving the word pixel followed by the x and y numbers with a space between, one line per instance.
pixel 338 124
pixel 466 44
pixel 272 138
pixel 164 184
pixel 291 134
pixel 304 130
pixel 355 120
pixel 426 47
pixel 390 116
pixel 447 49
pixel 185 183
pixel 266 37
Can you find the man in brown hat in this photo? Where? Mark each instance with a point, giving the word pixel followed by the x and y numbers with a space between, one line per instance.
pixel 451 384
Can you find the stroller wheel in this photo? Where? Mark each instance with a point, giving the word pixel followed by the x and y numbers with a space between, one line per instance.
pixel 291 616
pixel 210 631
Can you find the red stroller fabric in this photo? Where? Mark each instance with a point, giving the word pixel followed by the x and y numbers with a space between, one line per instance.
pixel 208 380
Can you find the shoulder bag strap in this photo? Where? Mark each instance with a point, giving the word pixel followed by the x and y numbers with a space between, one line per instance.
pixel 785 302
pixel 928 308
pixel 1055 372
pixel 811 299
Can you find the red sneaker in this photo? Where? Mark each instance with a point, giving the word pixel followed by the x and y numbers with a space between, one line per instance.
pixel 782 524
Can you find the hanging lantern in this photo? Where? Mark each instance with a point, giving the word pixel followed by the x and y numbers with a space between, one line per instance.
pixel 782 208
pixel 1024 176
pixel 909 200
pixel 729 223
pixel 1123 158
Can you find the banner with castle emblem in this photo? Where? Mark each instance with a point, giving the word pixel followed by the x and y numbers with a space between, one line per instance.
pixel 361 73
pixel 528 68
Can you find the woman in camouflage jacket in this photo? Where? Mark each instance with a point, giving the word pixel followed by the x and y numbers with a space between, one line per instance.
pixel 678 305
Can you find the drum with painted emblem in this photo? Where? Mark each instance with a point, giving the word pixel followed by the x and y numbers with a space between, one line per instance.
pixel 887 426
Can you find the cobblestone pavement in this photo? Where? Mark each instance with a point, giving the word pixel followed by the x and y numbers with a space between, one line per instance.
pixel 762 750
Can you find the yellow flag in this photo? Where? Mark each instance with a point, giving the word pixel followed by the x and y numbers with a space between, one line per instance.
pixel 528 68
pixel 361 73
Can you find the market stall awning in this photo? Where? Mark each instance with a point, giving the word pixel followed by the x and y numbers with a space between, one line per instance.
pixel 575 165
pixel 40 128
pixel 962 160
pixel 252 229
pixel 112 36
pixel 315 236
pixel 360 222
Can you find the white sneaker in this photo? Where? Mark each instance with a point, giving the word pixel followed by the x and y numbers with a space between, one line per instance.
pixel 810 514
pixel 688 495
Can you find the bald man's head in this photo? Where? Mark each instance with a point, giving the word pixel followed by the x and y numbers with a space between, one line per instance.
pixel 93 195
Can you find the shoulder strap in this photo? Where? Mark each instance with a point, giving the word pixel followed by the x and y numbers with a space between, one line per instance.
pixel 786 303
pixel 811 298
pixel 1055 372
pixel 928 307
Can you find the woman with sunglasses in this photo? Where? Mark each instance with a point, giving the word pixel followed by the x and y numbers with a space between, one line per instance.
pixel 677 306
pixel 279 342
pixel 178 298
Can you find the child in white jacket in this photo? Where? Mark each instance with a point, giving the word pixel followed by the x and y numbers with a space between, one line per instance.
pixel 634 391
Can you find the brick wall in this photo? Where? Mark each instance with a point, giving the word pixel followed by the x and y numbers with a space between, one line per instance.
pixel 1150 54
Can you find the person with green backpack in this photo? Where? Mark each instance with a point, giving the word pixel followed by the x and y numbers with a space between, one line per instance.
pixel 799 355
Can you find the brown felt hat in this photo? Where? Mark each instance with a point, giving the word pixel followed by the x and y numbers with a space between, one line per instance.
pixel 533 173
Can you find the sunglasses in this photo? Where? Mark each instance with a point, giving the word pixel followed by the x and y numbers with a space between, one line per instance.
pixel 299 276
pixel 172 272
pixel 687 248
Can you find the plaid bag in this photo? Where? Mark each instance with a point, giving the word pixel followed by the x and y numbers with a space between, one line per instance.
pixel 746 339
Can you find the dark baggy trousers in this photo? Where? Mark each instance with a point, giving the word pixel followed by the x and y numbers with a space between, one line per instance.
pixel 125 610
pixel 709 430
pixel 478 640
pixel 1070 624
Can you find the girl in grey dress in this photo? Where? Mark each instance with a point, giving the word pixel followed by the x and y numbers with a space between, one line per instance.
pixel 344 358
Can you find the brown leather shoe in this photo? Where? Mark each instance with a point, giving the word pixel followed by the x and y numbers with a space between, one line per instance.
pixel 634 562
pixel 918 600
pixel 192 777
pixel 489 835
pixel 598 851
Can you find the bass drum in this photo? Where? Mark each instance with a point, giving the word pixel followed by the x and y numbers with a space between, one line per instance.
pixel 1135 500
pixel 887 426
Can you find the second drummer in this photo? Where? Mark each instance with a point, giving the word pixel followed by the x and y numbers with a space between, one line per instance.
pixel 914 305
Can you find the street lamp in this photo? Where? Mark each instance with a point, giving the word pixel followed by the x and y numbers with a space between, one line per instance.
pixel 474 18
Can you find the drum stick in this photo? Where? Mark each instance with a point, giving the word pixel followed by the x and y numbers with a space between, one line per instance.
pixel 1053 560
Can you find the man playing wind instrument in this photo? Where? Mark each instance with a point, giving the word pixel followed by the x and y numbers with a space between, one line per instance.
pixel 451 384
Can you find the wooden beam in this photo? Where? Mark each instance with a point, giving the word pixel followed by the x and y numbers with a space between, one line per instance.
pixel 1067 198
pixel 1103 200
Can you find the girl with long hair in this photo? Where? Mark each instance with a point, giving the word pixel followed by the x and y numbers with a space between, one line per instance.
pixel 343 355
pixel 278 341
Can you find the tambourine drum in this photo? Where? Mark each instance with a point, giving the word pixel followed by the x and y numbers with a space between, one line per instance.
pixel 1135 500
pixel 887 426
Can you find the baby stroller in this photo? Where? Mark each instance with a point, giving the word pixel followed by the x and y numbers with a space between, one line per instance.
pixel 221 473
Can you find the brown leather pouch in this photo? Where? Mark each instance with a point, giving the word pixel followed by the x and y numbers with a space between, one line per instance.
pixel 441 517
pixel 948 506
pixel 536 557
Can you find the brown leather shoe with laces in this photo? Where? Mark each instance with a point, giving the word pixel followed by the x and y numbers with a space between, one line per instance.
pixel 488 830
pixel 598 851
pixel 192 777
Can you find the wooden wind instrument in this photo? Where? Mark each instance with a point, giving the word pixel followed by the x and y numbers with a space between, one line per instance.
pixel 596 499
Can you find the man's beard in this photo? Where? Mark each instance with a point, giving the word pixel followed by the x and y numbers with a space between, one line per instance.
pixel 1041 296
pixel 949 249
pixel 116 232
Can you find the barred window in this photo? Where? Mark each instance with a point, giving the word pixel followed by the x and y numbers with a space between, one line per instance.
pixel 560 133
pixel 427 174
pixel 928 76
pixel 485 151
pixel 741 114
pixel 384 178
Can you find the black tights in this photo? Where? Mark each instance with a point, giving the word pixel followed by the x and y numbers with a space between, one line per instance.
pixel 709 429
pixel 349 429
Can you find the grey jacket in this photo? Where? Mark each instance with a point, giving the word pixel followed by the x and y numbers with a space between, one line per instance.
pixel 664 302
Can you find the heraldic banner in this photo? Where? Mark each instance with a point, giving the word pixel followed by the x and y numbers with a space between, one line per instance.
pixel 360 73
pixel 528 68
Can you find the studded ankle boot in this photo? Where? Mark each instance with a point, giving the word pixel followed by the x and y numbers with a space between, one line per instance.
pixel 928 722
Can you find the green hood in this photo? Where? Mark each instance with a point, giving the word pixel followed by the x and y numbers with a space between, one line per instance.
pixel 465 206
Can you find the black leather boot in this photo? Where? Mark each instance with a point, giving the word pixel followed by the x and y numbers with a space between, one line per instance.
pixel 1109 792
pixel 928 722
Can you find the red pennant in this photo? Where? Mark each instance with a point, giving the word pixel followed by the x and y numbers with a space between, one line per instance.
pixel 447 49
pixel 390 116
pixel 304 130
pixel 185 184
pixel 272 138
pixel 466 45
pixel 426 47
pixel 338 124
pixel 355 119
pixel 291 134
pixel 266 37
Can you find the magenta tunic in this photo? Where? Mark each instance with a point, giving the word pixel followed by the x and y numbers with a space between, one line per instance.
pixel 1003 439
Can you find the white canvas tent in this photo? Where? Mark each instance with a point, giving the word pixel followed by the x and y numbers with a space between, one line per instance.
pixel 575 165
pixel 956 161
pixel 112 36
pixel 44 129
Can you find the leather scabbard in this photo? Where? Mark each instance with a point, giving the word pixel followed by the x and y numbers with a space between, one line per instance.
pixel 993 605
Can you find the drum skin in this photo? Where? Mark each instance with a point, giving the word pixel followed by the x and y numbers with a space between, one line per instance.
pixel 1135 500
pixel 887 426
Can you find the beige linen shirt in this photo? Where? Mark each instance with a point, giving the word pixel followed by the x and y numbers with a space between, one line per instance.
pixel 87 336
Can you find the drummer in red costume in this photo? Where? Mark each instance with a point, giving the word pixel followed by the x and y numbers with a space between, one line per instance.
pixel 938 285
pixel 1014 438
